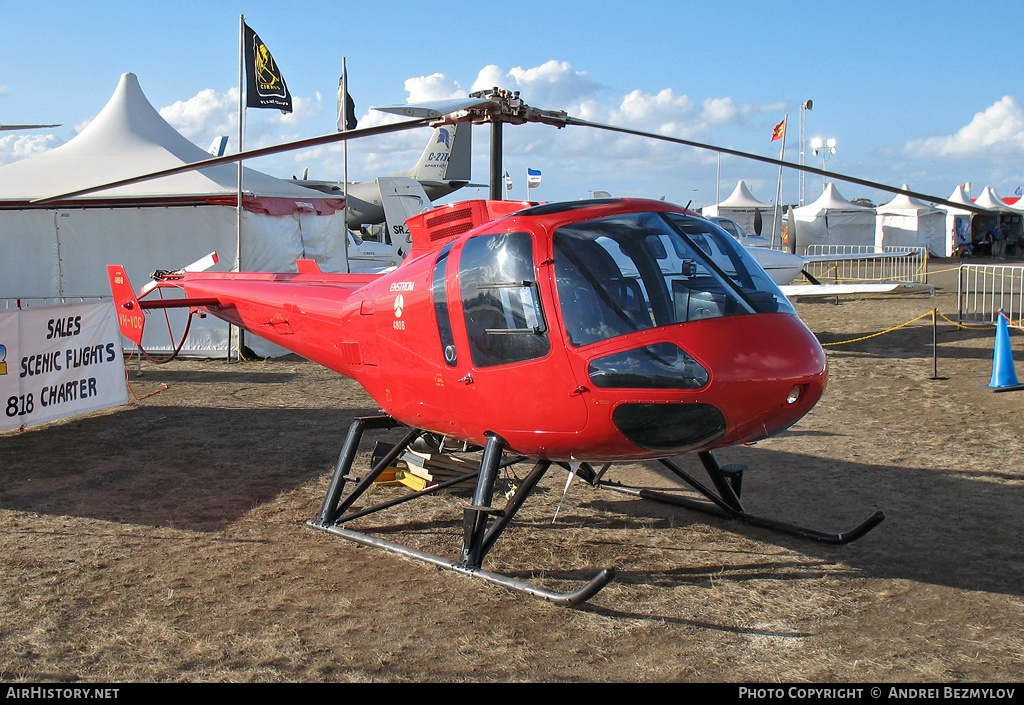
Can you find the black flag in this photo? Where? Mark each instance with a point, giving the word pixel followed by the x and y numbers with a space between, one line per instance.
pixel 347 117
pixel 264 84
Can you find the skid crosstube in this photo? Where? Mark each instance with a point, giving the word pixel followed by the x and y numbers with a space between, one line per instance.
pixel 483 524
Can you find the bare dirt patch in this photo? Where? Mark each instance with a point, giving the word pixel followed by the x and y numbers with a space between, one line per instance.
pixel 165 540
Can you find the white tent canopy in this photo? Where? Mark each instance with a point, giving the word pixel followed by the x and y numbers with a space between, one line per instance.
pixel 990 199
pixel 908 222
pixel 59 251
pixel 741 206
pixel 832 220
pixel 960 223
pixel 1018 205
pixel 1008 218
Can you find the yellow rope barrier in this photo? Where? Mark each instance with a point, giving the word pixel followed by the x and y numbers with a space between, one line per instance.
pixel 961 325
pixel 933 314
pixel 875 335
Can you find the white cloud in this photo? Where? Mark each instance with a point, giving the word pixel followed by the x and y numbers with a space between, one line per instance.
pixel 436 86
pixel 996 133
pixel 204 116
pixel 15 147
pixel 553 85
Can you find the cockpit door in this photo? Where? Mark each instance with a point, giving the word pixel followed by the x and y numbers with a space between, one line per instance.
pixel 510 367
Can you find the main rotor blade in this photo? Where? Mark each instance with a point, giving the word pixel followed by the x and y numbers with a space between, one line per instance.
pixel 779 162
pixel 6 128
pixel 436 108
pixel 250 154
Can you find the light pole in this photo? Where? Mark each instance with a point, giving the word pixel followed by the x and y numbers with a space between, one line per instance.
pixel 827 148
pixel 804 107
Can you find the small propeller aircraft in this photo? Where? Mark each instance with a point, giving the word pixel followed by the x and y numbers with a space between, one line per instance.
pixel 547 332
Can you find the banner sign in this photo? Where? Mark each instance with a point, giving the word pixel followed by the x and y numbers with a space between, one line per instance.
pixel 56 361
pixel 264 83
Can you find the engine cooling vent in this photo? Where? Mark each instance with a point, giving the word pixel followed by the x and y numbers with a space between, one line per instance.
pixel 431 230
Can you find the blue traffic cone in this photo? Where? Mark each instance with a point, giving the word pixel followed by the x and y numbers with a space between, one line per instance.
pixel 1003 375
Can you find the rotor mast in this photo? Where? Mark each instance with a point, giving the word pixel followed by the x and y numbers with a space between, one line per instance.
pixel 503 106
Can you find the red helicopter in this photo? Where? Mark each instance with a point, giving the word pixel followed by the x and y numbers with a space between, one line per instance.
pixel 498 300
pixel 573 334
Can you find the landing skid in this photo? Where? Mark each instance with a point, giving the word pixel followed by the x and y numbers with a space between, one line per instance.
pixel 725 501
pixel 483 524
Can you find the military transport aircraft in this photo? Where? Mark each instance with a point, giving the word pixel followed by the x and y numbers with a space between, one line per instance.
pixel 442 169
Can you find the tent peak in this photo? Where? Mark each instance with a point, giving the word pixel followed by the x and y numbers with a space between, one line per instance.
pixel 903 202
pixel 990 199
pixel 741 197
pixel 831 199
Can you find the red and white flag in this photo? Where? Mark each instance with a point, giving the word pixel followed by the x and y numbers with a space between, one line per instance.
pixel 780 131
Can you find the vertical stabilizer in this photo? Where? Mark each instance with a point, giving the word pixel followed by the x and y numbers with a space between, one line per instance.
pixel 402 198
pixel 462 147
pixel 446 156
pixel 130 317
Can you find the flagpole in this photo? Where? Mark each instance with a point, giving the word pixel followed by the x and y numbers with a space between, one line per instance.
pixel 241 147
pixel 237 267
pixel 778 191
pixel 343 99
pixel 718 181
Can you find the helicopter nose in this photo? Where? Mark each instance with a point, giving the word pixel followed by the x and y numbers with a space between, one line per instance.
pixel 718 382
pixel 773 380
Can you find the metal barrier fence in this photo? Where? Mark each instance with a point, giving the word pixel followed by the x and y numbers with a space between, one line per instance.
pixel 983 289
pixel 911 267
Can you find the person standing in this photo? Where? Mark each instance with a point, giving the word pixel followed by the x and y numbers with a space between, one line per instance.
pixel 999 243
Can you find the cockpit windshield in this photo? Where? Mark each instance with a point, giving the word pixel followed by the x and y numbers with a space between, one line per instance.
pixel 638 271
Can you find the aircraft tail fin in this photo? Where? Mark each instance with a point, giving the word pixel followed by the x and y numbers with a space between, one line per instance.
pixel 218 146
pixel 458 167
pixel 129 312
pixel 402 198
pixel 446 156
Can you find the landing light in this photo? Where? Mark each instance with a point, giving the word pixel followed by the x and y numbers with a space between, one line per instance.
pixel 794 395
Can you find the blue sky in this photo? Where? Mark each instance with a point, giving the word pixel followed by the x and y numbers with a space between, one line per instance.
pixel 924 93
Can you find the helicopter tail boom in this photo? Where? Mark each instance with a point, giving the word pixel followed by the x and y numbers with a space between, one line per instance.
pixel 130 310
pixel 259 302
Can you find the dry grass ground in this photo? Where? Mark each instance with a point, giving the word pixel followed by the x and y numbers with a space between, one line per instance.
pixel 165 540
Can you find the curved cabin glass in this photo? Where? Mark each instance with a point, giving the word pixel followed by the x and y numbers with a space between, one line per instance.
pixel 637 271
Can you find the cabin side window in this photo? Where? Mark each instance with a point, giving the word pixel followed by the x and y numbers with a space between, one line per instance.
pixel 501 300
pixel 444 322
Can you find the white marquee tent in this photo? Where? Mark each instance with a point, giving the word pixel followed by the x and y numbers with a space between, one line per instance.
pixel 990 199
pixel 908 222
pixel 832 220
pixel 961 224
pixel 1009 218
pixel 741 206
pixel 60 251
